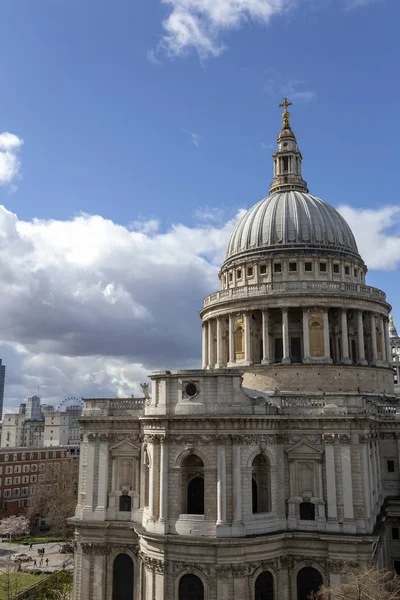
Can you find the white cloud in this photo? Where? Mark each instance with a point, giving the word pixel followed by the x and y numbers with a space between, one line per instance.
pixel 10 145
pixel 198 23
pixel 89 307
pixel 377 234
pixel 360 3
pixel 195 137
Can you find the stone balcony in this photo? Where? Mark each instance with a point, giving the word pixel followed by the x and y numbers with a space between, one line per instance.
pixel 113 407
pixel 296 288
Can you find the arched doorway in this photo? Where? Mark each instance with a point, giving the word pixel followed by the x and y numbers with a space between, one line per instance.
pixel 264 586
pixel 191 588
pixel 308 580
pixel 192 481
pixel 123 574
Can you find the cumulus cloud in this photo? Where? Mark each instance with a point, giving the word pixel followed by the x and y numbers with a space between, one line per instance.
pixel 10 145
pixel 198 23
pixel 377 233
pixel 89 306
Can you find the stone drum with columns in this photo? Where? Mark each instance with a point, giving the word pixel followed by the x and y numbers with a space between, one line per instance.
pixel 259 476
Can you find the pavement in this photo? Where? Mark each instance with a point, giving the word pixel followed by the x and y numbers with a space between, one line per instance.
pixel 56 562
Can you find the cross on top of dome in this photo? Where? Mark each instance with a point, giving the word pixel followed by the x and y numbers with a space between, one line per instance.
pixel 285 114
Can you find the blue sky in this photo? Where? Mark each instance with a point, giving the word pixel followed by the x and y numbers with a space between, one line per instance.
pixel 155 121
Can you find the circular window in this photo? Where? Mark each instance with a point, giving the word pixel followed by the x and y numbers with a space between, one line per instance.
pixel 191 389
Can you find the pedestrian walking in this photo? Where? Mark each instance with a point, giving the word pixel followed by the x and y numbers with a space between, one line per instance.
pixel 43 551
pixel 30 546
pixel 41 562
pixel 47 562
pixel 34 562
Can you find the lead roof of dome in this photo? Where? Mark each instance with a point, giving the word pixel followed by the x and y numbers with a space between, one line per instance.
pixel 288 221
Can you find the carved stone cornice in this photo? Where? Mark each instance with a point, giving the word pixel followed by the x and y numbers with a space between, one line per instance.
pixel 103 549
pixel 327 564
pixel 154 564
pixel 112 437
pixel 205 568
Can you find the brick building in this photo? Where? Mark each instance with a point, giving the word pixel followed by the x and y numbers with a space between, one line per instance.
pixel 22 469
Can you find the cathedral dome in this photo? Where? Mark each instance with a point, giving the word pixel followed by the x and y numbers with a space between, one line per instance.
pixel 291 220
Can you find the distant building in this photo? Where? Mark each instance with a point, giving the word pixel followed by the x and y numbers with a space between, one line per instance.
pixel 2 379
pixel 22 470
pixel 40 425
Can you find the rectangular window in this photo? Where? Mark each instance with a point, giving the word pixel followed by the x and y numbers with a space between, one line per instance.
pixel 322 267
pixel 336 268
pixel 17 480
pixel 8 480
pixel 355 272
pixel 6 458
pixel 250 272
pixel 33 468
pixel 24 492
pixel 33 478
pixel 25 469
pixel 239 276
pixel 347 270
pixel 277 267
pixel 230 277
pixel 32 456
pixel 308 266
pixel 9 470
pixel 17 469
pixel 390 466
pixel 395 533
pixel 15 457
pixel 263 269
pixel 7 493
pixel 292 267
pixel 25 479
pixel 16 492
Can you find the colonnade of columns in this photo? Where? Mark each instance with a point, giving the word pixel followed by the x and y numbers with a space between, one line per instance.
pixel 220 341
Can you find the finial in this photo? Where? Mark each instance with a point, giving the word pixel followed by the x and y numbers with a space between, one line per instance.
pixel 285 114
pixel 391 320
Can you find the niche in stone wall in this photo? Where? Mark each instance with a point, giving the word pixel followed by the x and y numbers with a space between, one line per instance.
pixel 379 340
pixel 316 332
pixel 124 493
pixel 239 337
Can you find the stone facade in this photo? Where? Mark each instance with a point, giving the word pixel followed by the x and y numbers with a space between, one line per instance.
pixel 261 475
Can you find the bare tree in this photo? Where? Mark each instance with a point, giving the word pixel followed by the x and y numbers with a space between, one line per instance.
pixel 11 526
pixel 363 584
pixel 54 498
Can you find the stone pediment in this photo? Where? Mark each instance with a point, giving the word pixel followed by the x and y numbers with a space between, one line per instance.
pixel 125 448
pixel 304 450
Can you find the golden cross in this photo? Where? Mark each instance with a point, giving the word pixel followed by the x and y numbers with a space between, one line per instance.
pixel 285 104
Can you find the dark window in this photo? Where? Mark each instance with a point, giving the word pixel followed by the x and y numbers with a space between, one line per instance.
pixel 191 588
pixel 395 533
pixel 322 267
pixel 397 566
pixel 307 511
pixel 308 581
pixel 125 503
pixel 264 587
pixel 230 276
pixel 336 268
pixel 285 164
pixel 239 273
pixel 355 272
pixel 195 496
pixel 292 266
pixel 347 270
pixel 308 266
pixel 390 466
pixel 277 267
pixel 263 269
pixel 260 485
pixel 250 271
pixel 191 389
pixel 122 578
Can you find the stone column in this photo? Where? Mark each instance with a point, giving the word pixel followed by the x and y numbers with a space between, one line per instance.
pixel 219 363
pixel 330 481
pixel 387 343
pixel 365 471
pixel 327 350
pixel 285 336
pixel 204 345
pixel 90 469
pixel 347 483
pixel 306 336
pixel 102 494
pixel 247 338
pixel 221 486
pixel 210 345
pixel 266 359
pixel 163 481
pixel 383 344
pixel 373 337
pixel 231 358
pixel 360 335
pixel 345 338
pixel 237 485
pixel 152 478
